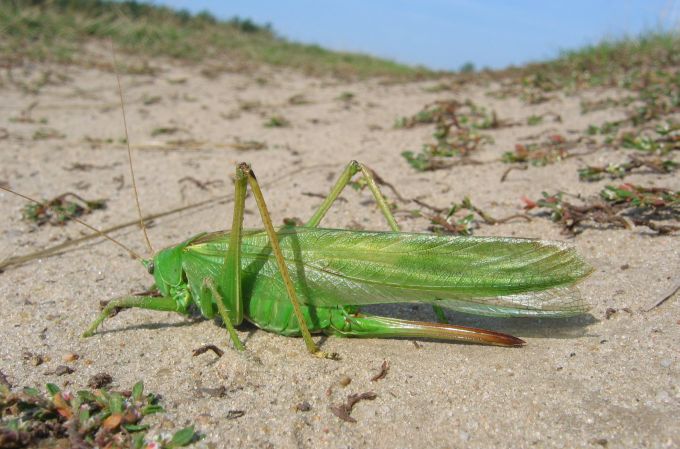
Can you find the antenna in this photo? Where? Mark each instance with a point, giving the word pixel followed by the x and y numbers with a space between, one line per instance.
pixel 91 228
pixel 129 150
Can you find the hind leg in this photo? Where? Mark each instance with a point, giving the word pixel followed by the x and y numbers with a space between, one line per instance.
pixel 243 172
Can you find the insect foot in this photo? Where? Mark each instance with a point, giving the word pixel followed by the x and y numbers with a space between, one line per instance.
pixel 327 355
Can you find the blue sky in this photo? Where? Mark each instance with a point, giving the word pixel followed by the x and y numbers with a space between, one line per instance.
pixel 444 34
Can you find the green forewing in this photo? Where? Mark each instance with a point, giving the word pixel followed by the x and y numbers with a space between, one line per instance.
pixel 480 275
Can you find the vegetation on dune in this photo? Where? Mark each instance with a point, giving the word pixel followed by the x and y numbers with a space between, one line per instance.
pixel 58 30
pixel 617 62
pixel 634 63
pixel 646 73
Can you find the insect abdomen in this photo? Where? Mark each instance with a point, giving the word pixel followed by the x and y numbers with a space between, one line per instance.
pixel 275 314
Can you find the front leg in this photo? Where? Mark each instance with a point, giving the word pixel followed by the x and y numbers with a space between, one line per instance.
pixel 142 302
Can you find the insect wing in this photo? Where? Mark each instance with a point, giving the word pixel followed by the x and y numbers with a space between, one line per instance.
pixel 480 275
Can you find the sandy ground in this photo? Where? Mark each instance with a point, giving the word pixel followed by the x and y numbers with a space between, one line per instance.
pixel 585 382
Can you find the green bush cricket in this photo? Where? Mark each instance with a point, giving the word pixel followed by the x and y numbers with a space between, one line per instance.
pixel 303 280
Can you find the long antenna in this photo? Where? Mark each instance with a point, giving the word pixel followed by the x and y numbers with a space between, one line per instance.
pixel 91 228
pixel 127 141
pixel 221 199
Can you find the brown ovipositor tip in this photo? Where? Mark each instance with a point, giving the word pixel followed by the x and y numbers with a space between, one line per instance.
pixel 494 338
pixel 509 340
pixel 470 334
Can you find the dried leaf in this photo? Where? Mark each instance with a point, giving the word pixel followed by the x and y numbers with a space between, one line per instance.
pixel 343 411
pixel 112 422
pixel 384 368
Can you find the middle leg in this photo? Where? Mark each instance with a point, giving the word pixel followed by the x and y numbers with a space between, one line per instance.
pixel 346 176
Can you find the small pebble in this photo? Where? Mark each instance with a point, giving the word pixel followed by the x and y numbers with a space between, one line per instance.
pixel 666 363
pixel 99 380
pixel 235 414
pixel 600 441
pixel 303 406
pixel 33 359
pixel 345 380
pixel 204 419
pixel 71 357
pixel 63 369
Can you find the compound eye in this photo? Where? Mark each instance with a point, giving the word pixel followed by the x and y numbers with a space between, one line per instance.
pixel 150 268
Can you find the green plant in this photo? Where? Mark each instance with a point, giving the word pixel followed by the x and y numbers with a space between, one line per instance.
pixel 455 133
pixel 533 120
pixel 277 121
pixel 84 419
pixel 61 209
pixel 623 206
pixel 555 148
pixel 613 171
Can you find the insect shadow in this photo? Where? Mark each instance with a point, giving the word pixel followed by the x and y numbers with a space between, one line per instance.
pixel 151 326
pixel 565 328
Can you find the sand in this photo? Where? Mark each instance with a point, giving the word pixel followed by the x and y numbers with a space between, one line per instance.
pixel 591 381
